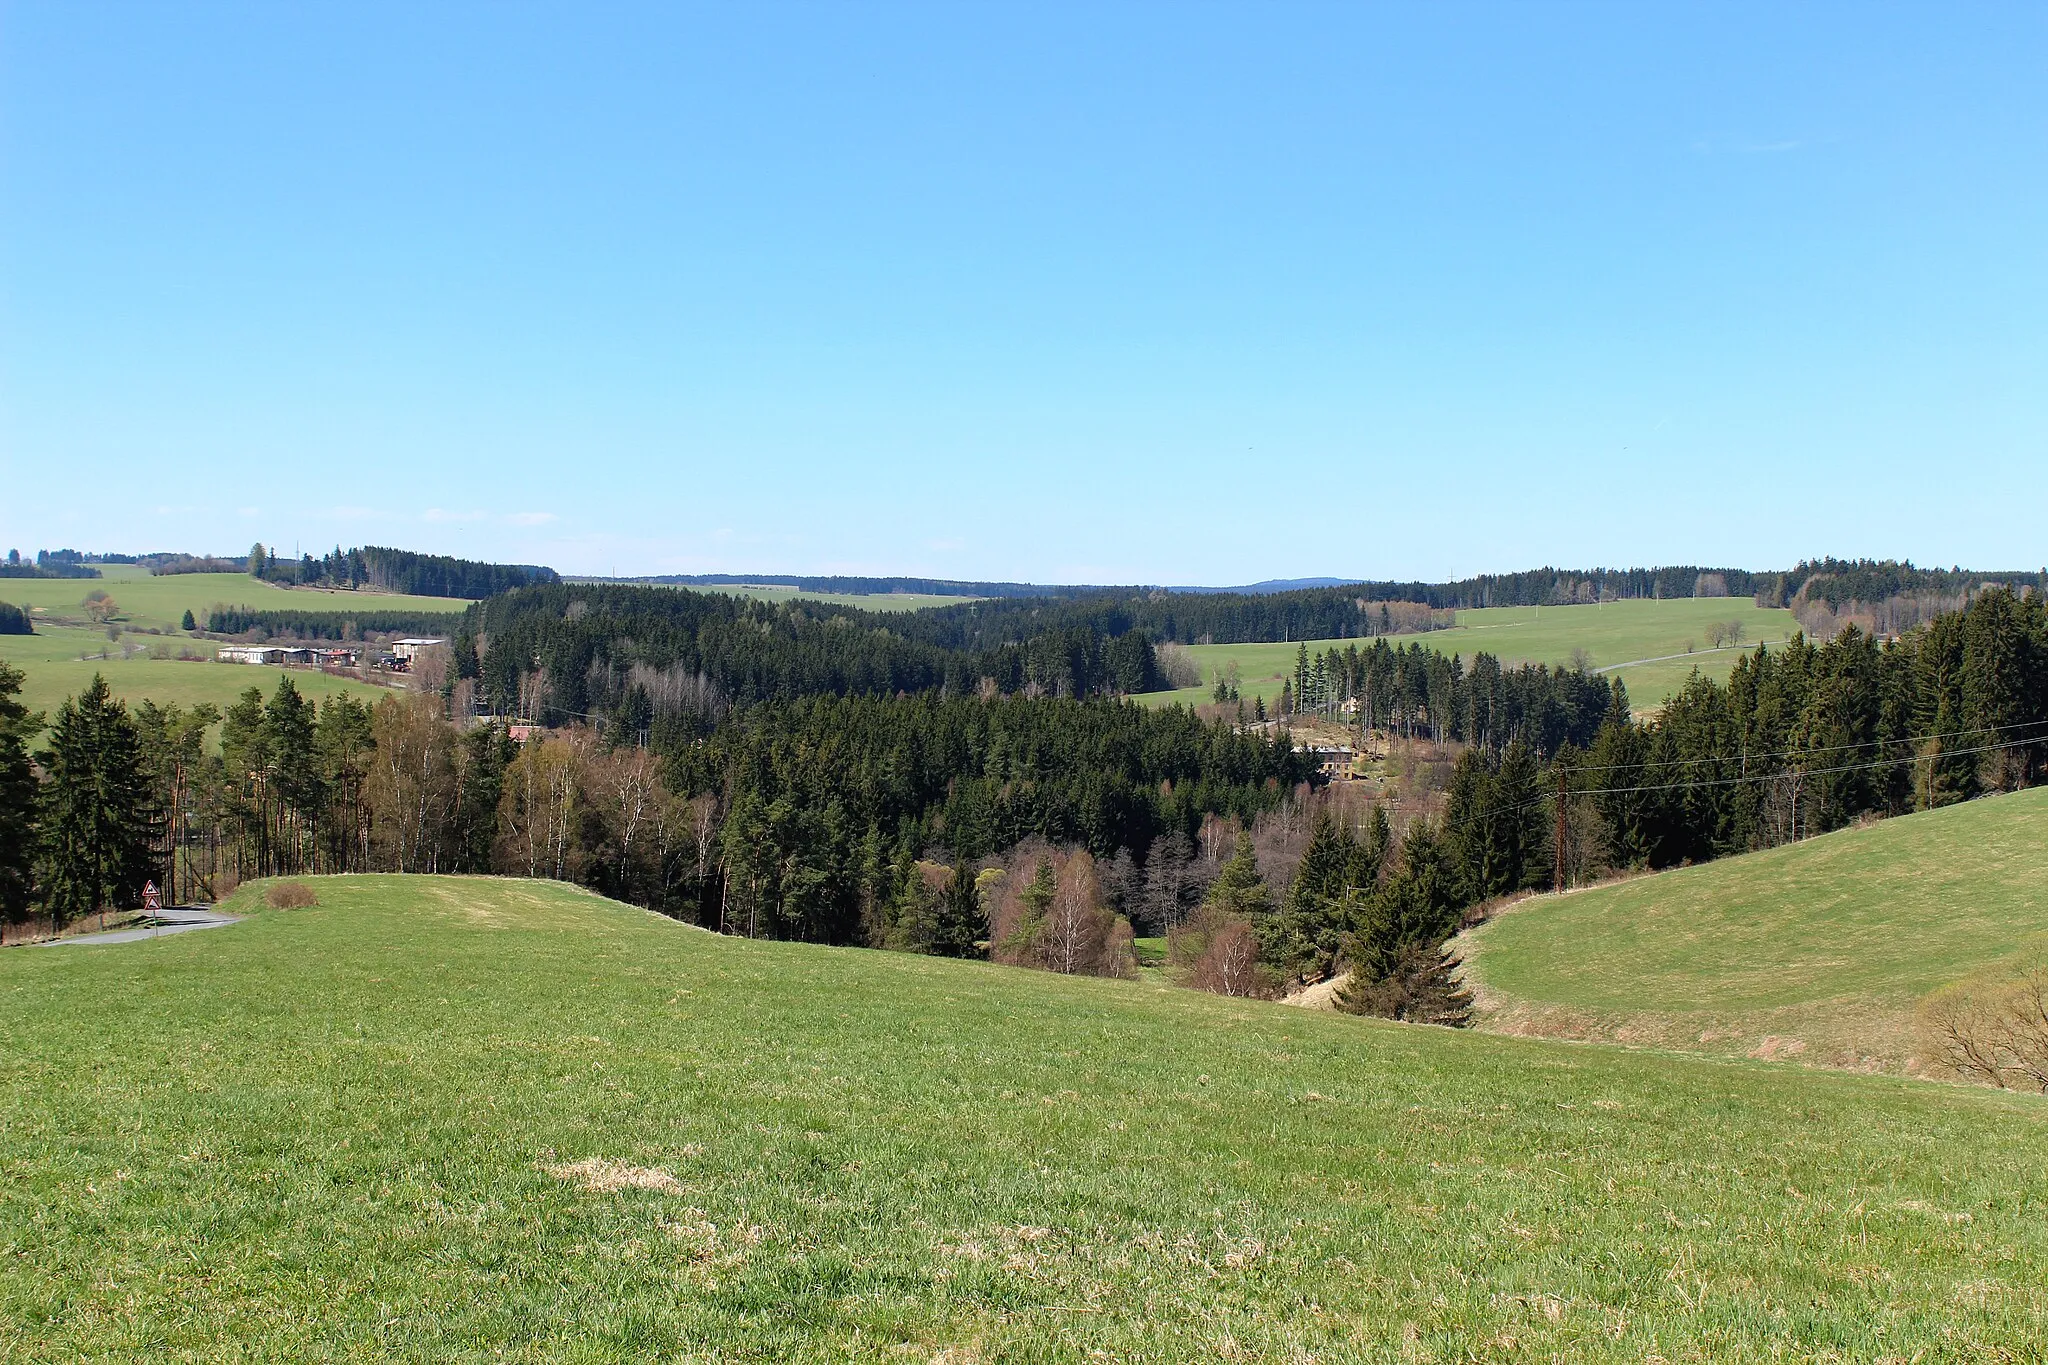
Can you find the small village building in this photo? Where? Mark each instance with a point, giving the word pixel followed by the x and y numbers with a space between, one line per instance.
pixel 409 648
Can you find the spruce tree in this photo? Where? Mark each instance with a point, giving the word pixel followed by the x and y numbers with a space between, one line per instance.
pixel 97 824
pixel 961 924
pixel 17 798
pixel 186 622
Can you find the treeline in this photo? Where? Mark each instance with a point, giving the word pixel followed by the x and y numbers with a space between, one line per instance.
pixel 396 571
pixel 48 564
pixel 166 565
pixel 860 586
pixel 1354 611
pixel 1838 582
pixel 330 625
pixel 800 820
pixel 1410 691
pixel 562 652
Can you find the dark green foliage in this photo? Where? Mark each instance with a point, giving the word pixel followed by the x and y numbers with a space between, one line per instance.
pixel 398 571
pixel 694 654
pixel 808 782
pixel 330 625
pixel 186 622
pixel 15 621
pixel 1338 875
pixel 17 797
pixel 97 824
pixel 1420 985
pixel 1803 738
pixel 1239 890
pixel 1494 822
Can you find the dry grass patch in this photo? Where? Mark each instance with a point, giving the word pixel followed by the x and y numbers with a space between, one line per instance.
pixel 290 896
pixel 605 1177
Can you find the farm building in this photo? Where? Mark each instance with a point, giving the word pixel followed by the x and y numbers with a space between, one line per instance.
pixel 264 654
pixel 408 649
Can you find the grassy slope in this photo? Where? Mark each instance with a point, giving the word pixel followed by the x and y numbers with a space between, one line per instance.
pixel 54 661
pixel 1828 944
pixel 1612 633
pixel 324 1134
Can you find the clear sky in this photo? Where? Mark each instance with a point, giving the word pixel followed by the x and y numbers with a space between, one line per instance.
pixel 1085 292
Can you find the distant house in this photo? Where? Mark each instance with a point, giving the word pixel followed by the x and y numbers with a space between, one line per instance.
pixel 1335 760
pixel 407 649
pixel 342 657
pixel 274 655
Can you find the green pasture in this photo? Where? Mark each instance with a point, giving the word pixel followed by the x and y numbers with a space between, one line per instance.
pixel 58 662
pixel 149 601
pixel 486 1120
pixel 66 650
pixel 1819 950
pixel 1653 646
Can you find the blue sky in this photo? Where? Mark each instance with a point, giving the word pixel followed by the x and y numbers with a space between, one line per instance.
pixel 1099 293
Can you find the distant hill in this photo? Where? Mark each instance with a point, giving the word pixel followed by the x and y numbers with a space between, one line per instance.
pixel 858 586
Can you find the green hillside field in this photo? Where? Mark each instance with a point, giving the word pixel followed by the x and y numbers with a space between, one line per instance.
pixel 483 1120
pixel 61 657
pixel 1819 951
pixel 1670 635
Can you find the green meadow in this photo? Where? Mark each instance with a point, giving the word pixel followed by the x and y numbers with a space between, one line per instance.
pixel 67 649
pixel 1653 646
pixel 485 1120
pixel 1819 951
pixel 149 601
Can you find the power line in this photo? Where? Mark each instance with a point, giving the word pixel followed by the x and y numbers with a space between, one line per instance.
pixel 1822 749
pixel 1774 776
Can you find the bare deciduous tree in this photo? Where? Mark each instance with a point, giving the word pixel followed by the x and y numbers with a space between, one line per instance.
pixel 1996 1033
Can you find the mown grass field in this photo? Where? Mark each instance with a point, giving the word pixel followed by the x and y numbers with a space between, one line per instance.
pixel 1819 951
pixel 149 601
pixel 60 658
pixel 476 1120
pixel 1611 633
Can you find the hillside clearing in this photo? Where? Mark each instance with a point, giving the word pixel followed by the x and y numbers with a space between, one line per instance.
pixel 1611 633
pixel 476 1119
pixel 1819 950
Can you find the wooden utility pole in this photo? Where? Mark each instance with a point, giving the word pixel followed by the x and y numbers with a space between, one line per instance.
pixel 1557 872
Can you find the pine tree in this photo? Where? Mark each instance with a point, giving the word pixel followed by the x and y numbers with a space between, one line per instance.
pixel 186 622
pixel 97 822
pixel 17 798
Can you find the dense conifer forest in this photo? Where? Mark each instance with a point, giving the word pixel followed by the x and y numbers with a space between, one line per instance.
pixel 396 571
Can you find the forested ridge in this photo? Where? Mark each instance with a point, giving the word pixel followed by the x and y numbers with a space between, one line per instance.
pixel 330 625
pixel 396 571
pixel 561 651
